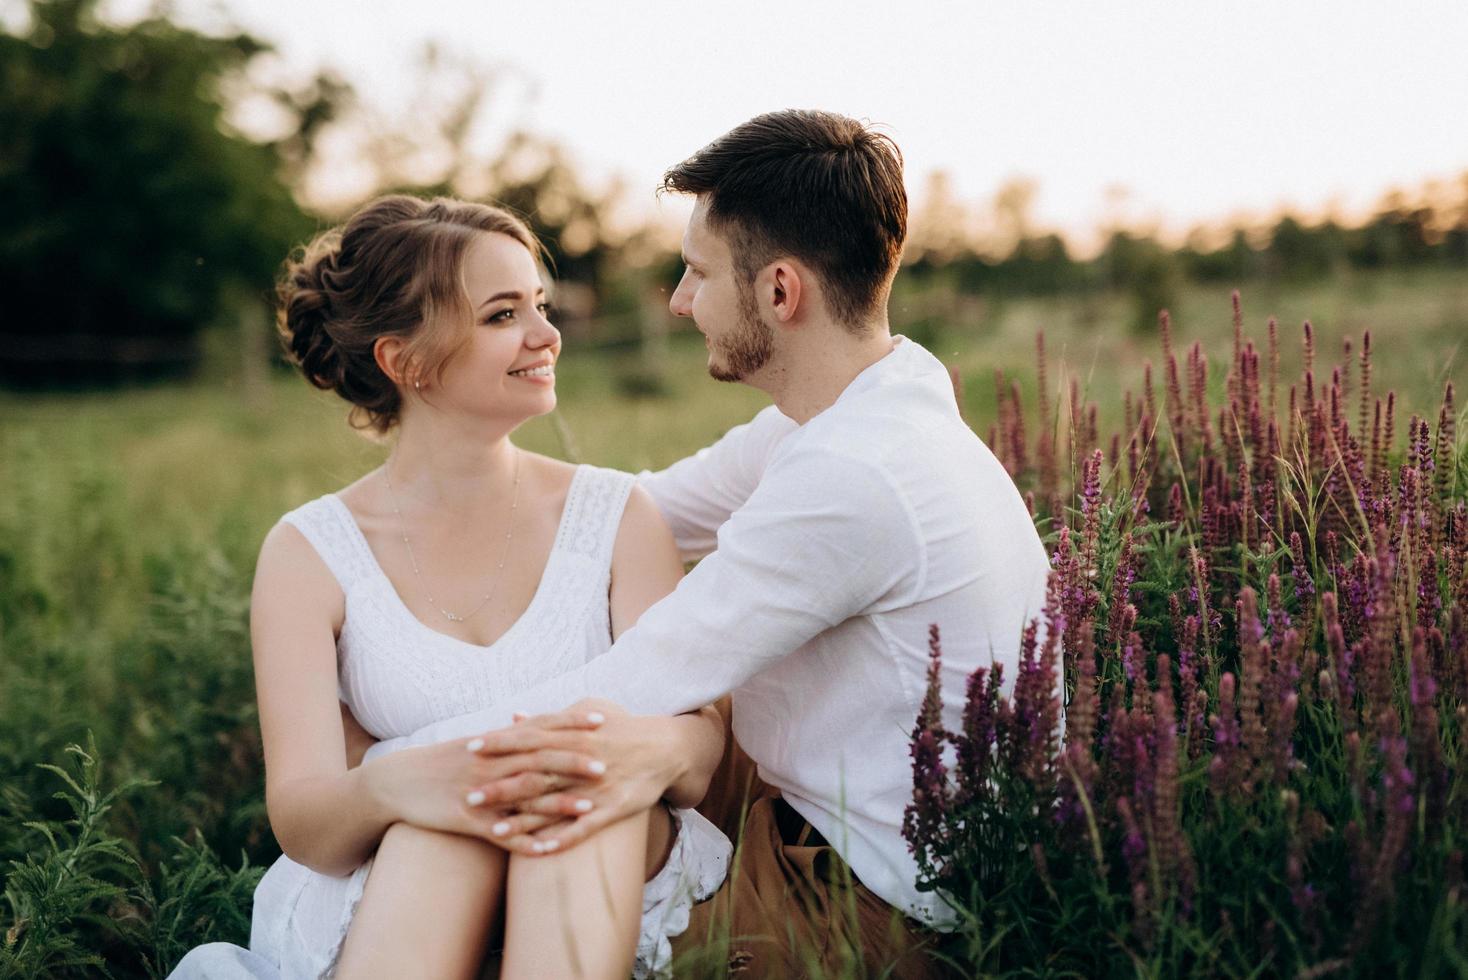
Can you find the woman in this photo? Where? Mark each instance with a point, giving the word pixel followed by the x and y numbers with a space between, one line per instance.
pixel 461 571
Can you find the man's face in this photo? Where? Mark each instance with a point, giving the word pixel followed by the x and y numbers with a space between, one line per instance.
pixel 722 305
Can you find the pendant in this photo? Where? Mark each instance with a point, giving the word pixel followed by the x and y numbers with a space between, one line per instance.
pixel 454 619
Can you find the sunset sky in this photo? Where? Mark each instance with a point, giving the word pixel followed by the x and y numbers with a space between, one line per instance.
pixel 1201 112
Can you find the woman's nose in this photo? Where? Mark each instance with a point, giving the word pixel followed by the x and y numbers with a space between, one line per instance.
pixel 542 334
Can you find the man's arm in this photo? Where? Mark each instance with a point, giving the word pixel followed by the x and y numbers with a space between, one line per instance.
pixel 698 494
pixel 823 538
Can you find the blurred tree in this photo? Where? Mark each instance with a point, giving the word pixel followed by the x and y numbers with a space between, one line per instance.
pixel 131 208
pixel 939 230
pixel 1233 263
pixel 1014 203
pixel 535 177
pixel 1455 239
pixel 1041 265
pixel 447 142
pixel 1300 253
pixel 1400 234
pixel 1147 272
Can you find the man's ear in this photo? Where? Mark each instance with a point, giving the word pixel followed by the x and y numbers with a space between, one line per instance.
pixel 785 291
pixel 388 353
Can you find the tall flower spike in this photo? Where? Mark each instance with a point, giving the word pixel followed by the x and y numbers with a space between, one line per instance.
pixel 1003 409
pixel 925 820
pixel 1253 657
pixel 1019 450
pixel 1226 768
pixel 1376 444
pixel 1045 448
pixel 1363 392
pixel 1309 347
pixel 1446 464
pixel 1424 743
pixel 1078 768
pixel 1134 850
pixel 1273 364
pixel 1170 841
pixel 1390 435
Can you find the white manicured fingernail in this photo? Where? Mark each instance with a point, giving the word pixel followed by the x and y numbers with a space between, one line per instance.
pixel 500 829
pixel 583 806
pixel 538 847
pixel 596 717
pixel 475 797
pixel 475 744
pixel 596 766
pixel 549 846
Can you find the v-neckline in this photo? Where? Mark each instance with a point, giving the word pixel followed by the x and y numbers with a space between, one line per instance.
pixel 535 599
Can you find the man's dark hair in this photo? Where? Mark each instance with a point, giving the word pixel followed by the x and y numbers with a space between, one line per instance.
pixel 816 186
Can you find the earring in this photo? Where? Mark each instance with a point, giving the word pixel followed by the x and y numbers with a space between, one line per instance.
pixel 417 386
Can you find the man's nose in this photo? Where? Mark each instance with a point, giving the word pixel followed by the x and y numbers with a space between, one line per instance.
pixel 681 302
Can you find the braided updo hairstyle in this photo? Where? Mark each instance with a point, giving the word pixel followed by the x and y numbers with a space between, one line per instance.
pixel 394 269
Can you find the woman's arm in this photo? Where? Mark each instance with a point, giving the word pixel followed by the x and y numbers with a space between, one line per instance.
pixel 320 812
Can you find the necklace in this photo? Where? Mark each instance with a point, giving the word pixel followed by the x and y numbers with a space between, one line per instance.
pixel 418 574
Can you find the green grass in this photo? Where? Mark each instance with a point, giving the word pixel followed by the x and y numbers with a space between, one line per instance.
pixel 129 523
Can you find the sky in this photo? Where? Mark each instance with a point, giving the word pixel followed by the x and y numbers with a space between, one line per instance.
pixel 1173 113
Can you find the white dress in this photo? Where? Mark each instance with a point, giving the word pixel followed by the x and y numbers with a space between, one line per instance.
pixel 398 675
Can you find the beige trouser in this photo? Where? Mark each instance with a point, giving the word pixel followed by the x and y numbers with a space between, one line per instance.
pixel 790 907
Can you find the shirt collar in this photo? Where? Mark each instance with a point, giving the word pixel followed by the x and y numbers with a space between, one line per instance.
pixel 907 360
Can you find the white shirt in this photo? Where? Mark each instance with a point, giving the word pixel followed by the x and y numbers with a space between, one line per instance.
pixel 830 548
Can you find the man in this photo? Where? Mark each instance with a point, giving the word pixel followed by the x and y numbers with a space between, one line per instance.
pixel 834 529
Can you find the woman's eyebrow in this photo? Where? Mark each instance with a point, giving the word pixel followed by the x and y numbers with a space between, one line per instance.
pixel 513 294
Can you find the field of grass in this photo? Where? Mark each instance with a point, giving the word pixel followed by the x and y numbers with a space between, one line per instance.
pixel 129 523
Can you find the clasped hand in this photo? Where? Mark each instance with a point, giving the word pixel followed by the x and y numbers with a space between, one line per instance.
pixel 465 787
pixel 547 808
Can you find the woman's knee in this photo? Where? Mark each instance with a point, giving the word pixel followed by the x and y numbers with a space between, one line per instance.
pixel 455 852
pixel 622 842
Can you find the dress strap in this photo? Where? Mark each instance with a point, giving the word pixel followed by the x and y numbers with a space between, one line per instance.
pixel 330 528
pixel 594 505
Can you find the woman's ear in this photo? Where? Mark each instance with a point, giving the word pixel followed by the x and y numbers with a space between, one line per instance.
pixel 388 353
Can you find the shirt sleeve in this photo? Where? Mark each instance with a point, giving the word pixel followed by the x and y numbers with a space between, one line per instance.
pixel 698 494
pixel 822 539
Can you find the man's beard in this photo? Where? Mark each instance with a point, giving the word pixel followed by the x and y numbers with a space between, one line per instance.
pixel 748 348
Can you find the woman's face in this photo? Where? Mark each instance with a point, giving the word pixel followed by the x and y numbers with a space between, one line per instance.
pixel 507 370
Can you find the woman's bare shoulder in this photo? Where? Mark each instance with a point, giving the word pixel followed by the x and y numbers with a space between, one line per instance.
pixel 289 561
pixel 548 479
pixel 549 468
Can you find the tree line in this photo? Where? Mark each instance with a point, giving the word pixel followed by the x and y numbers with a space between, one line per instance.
pixel 139 213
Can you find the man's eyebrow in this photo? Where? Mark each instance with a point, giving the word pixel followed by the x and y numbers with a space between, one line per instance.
pixel 513 294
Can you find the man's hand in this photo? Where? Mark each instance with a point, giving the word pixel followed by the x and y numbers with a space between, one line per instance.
pixel 640 758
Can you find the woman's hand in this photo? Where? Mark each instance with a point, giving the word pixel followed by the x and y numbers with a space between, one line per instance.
pixel 438 787
pixel 644 756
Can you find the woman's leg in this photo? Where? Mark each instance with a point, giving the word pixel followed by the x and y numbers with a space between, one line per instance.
pixel 428 908
pixel 577 914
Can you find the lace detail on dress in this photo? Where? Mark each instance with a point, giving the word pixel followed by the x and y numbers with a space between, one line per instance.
pixel 696 866
pixel 594 514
